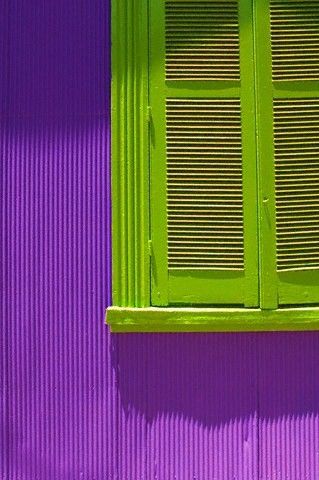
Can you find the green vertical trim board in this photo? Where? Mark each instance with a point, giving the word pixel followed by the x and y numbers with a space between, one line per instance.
pixel 130 172
pixel 265 155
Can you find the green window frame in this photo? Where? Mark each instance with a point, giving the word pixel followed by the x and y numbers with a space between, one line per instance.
pixel 215 165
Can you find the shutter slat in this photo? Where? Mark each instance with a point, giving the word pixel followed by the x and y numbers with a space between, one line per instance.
pixel 295 40
pixel 219 182
pixel 296 190
pixel 195 40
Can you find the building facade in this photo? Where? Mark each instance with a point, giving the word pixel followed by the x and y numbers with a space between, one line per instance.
pixel 79 402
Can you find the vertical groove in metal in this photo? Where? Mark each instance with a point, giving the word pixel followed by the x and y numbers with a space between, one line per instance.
pixel 188 406
pixel 289 399
pixel 57 386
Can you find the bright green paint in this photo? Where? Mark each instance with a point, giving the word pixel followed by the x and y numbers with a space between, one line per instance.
pixel 159 267
pixel 298 287
pixel 186 289
pixel 265 156
pixel 130 169
pixel 209 320
pixel 216 287
pixel 249 154
pixel 138 135
pixel 199 89
pixel 295 89
pixel 277 288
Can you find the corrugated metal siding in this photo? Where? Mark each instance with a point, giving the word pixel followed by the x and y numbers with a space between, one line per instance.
pixel 78 403
pixel 198 404
pixel 288 406
pixel 58 419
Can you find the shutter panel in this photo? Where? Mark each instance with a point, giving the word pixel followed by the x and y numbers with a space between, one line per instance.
pixel 294 92
pixel 295 53
pixel 203 158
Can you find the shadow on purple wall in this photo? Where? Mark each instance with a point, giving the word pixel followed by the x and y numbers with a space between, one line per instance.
pixel 217 377
pixel 210 378
pixel 57 58
pixel 220 405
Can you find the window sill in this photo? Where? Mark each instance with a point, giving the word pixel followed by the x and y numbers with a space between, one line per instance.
pixel 156 319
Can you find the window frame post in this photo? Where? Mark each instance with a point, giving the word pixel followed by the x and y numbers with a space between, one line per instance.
pixel 130 154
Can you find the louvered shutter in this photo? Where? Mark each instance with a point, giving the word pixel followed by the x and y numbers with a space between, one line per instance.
pixel 203 158
pixel 289 83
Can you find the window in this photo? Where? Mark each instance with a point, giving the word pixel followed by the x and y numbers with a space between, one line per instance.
pixel 215 165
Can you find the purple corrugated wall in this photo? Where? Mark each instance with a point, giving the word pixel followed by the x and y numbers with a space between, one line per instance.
pixel 78 403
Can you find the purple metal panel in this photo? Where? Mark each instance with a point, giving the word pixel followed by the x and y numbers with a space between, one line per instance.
pixel 289 406
pixel 195 399
pixel 78 403
pixel 58 421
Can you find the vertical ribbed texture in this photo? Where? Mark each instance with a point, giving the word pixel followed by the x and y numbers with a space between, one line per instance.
pixel 131 278
pixel 289 406
pixel 190 401
pixel 77 403
pixel 60 404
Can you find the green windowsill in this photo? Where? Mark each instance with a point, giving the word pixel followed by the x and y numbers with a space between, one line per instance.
pixel 156 319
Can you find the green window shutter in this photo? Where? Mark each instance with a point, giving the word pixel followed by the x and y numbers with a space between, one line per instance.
pixel 203 155
pixel 295 54
pixel 215 165
pixel 288 83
